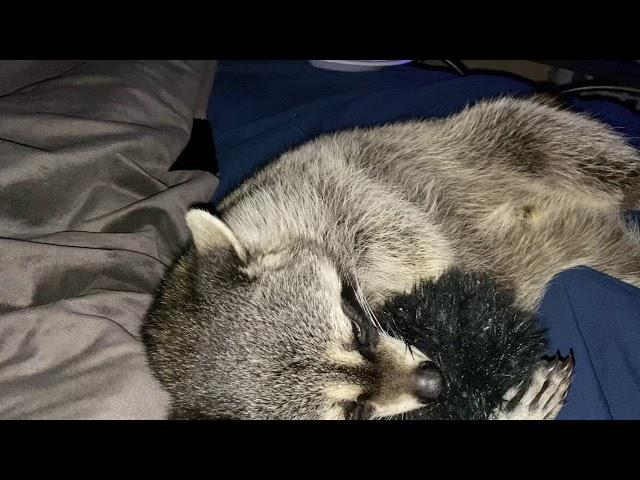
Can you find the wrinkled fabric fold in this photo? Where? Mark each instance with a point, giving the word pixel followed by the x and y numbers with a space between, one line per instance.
pixel 90 217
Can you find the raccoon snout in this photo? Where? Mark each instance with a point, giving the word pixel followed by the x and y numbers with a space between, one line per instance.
pixel 429 382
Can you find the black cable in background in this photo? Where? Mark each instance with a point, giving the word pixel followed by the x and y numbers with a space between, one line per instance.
pixel 455 65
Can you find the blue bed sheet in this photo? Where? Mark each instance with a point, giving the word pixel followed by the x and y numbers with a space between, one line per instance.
pixel 260 109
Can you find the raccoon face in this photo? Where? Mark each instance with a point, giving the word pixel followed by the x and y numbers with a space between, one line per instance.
pixel 275 335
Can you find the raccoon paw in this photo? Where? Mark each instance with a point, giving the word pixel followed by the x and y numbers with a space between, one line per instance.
pixel 543 397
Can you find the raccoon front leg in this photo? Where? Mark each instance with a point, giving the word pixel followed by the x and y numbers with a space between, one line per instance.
pixel 543 397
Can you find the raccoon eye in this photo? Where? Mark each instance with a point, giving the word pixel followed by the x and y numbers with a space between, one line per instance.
pixel 358 333
pixel 364 332
pixel 350 303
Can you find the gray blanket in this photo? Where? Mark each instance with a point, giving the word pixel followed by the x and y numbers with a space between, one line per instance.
pixel 90 217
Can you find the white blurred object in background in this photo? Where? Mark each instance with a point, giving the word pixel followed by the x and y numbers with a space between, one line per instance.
pixel 356 65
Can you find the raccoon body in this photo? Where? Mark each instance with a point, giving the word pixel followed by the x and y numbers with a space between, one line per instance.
pixel 271 312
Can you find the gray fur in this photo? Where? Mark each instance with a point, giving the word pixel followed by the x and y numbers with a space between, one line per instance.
pixel 252 326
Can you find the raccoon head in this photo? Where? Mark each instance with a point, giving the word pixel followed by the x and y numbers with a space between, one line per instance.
pixel 275 335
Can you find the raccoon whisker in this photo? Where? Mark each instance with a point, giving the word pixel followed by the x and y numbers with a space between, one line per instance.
pixel 407 347
pixel 393 330
pixel 369 312
pixel 373 318
pixel 392 333
pixel 397 335
pixel 389 330
pixel 365 305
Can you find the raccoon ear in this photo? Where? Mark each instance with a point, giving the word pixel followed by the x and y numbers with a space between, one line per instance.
pixel 210 232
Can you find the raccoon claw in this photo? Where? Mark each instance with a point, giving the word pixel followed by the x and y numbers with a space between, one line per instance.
pixel 543 397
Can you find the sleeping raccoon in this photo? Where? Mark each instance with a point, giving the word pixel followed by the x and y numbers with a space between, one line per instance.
pixel 270 312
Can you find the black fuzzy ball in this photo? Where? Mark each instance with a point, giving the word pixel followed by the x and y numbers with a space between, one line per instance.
pixel 468 325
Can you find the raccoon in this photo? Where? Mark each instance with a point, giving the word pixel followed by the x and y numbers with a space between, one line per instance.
pixel 270 313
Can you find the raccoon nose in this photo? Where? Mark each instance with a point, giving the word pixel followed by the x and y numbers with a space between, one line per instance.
pixel 429 382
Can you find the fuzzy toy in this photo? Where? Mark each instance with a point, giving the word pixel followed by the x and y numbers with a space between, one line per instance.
pixel 468 325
